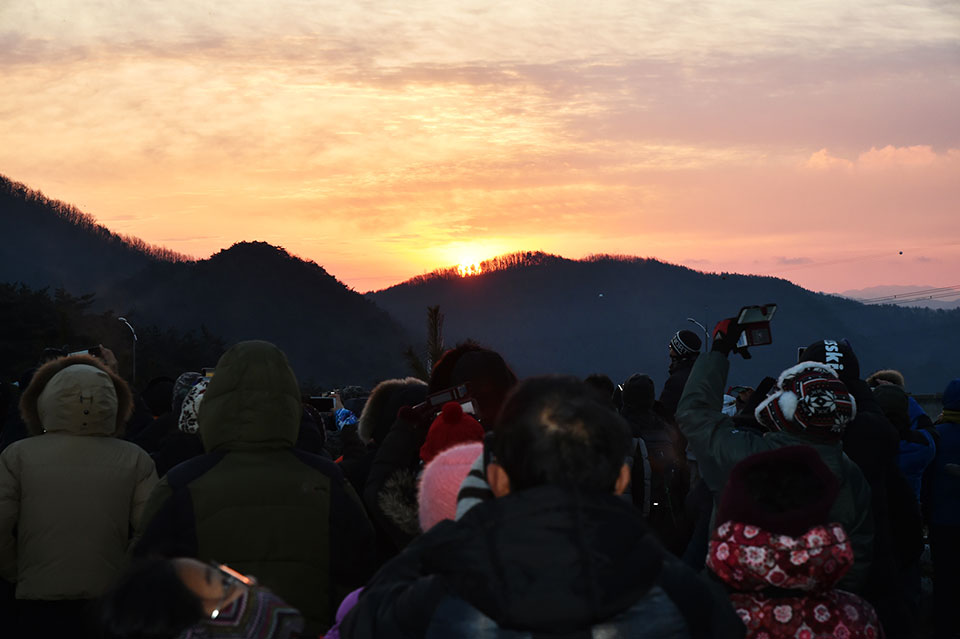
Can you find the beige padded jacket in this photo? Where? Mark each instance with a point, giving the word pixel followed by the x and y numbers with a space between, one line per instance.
pixel 71 494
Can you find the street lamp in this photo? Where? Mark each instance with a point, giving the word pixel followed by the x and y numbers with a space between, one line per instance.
pixel 133 376
pixel 706 335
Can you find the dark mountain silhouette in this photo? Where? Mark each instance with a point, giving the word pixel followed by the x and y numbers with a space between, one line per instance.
pixel 544 313
pixel 253 290
pixel 50 243
pixel 615 315
pixel 331 334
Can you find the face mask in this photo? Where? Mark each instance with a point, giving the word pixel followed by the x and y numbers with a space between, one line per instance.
pixel 251 615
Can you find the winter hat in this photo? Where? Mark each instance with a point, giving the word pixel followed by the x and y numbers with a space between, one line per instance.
pixel 808 398
pixel 440 482
pixel 77 394
pixel 181 387
pixel 837 355
pixel 345 418
pixel 784 491
pixel 188 422
pixel 951 395
pixel 385 401
pixel 685 343
pixel 895 404
pixel 452 426
pixel 638 391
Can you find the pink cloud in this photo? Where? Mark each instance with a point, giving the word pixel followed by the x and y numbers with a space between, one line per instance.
pixel 887 158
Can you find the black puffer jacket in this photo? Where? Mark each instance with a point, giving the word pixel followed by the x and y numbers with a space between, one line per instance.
pixel 538 563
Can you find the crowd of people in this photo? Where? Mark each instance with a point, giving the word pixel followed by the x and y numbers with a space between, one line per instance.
pixel 224 503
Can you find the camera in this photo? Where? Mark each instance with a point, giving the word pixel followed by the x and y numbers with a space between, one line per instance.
pixel 753 322
pixel 461 394
pixel 93 351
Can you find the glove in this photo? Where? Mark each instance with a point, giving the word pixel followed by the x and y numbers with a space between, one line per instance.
pixel 725 336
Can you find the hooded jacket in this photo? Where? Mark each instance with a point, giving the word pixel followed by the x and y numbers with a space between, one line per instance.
pixel 253 501
pixel 546 561
pixel 719 445
pixel 72 491
pixel 784 585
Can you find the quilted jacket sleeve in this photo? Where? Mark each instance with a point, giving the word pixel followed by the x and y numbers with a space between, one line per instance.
pixel 146 481
pixel 713 436
pixel 9 511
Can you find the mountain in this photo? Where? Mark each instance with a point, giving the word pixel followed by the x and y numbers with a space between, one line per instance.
pixel 615 315
pixel 50 243
pixel 253 290
pixel 922 296
pixel 543 312
pixel 331 334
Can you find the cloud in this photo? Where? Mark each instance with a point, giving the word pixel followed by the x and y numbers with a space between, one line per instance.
pixel 887 158
pixel 793 261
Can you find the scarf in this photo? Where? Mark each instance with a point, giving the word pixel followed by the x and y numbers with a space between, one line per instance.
pixel 257 614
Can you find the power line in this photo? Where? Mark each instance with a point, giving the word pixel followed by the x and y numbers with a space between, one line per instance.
pixel 916 296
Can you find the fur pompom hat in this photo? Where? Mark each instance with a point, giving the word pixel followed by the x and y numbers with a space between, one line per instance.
pixel 452 426
pixel 810 399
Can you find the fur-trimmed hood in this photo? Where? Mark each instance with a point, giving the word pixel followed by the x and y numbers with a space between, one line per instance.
pixel 78 394
pixel 385 400
pixel 398 501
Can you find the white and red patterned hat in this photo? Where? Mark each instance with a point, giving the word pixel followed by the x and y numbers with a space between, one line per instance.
pixel 809 398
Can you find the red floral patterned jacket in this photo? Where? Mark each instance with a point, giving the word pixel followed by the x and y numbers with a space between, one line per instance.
pixel 785 585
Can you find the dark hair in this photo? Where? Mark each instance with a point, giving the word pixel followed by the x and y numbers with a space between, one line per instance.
pixel 602 384
pixel 554 430
pixel 150 601
pixel 638 392
pixel 485 370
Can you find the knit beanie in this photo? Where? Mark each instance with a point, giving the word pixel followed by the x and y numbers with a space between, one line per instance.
pixel 685 343
pixel 440 482
pixel 783 491
pixel 190 410
pixel 452 426
pixel 181 387
pixel 809 399
pixel 838 355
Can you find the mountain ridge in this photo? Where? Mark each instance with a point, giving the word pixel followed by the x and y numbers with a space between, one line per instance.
pixel 545 313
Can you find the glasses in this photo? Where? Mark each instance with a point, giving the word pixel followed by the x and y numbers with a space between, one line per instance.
pixel 230 579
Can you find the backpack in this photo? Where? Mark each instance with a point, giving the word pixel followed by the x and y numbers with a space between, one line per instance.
pixel 659 474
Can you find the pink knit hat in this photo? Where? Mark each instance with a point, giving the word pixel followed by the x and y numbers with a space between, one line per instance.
pixel 440 483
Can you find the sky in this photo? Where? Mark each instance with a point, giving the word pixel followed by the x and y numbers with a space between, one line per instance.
pixel 813 140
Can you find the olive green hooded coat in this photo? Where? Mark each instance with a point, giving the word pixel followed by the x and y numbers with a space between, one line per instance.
pixel 719 445
pixel 254 502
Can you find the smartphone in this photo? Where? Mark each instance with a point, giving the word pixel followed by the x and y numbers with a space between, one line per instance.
pixel 755 323
pixel 95 351
pixel 323 403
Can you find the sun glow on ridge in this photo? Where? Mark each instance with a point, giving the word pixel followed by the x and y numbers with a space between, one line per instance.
pixel 468 270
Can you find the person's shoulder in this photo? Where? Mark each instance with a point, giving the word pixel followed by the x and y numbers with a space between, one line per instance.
pixel 318 463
